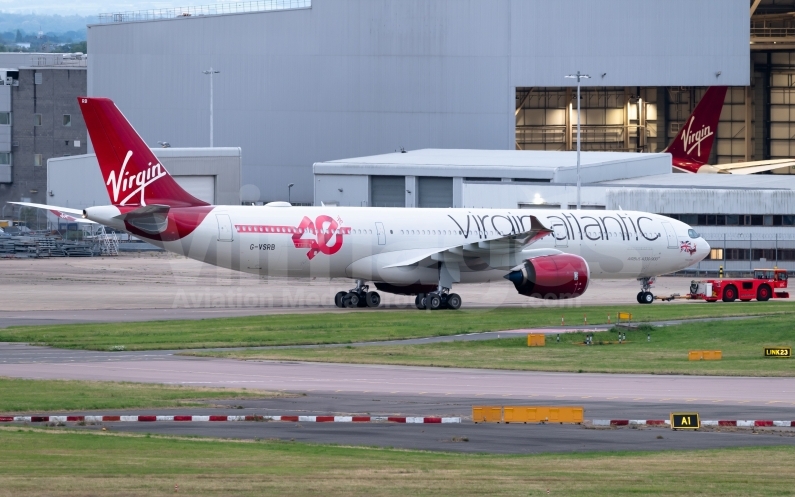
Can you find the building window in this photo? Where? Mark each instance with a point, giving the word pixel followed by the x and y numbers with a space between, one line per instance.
pixel 37 119
pixel 5 158
pixel 5 118
pixel 67 119
pixel 37 159
pixel 77 143
pixel 716 254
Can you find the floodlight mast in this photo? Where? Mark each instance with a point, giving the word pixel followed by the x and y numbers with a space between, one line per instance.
pixel 211 72
pixel 578 76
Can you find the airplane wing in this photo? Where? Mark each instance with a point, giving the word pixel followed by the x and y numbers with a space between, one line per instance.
pixel 754 166
pixel 499 251
pixel 65 213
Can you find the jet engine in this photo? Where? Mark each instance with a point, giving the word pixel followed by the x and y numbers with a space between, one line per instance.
pixel 560 276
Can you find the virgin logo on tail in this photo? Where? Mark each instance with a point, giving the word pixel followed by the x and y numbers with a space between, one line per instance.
pixel 134 184
pixel 692 139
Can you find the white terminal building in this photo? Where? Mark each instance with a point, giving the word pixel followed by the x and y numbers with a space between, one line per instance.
pixel 324 94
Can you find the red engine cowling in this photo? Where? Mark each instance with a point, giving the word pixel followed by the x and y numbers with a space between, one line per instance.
pixel 561 276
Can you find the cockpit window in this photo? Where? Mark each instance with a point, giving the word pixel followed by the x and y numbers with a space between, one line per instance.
pixel 693 233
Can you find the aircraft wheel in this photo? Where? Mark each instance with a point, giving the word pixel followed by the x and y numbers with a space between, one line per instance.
pixel 351 300
pixel 454 301
pixel 339 299
pixel 648 297
pixel 419 301
pixel 433 302
pixel 372 299
pixel 640 297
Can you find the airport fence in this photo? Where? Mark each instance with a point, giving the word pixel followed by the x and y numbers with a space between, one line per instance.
pixel 204 10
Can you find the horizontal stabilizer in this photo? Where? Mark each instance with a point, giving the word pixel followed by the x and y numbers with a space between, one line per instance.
pixel 752 167
pixel 65 213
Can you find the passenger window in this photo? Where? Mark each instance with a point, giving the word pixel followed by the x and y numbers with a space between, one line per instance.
pixel 747 285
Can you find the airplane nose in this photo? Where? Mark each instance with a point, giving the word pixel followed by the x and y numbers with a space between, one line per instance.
pixel 706 248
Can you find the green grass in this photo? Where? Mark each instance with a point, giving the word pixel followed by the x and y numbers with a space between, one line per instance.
pixel 295 329
pixel 741 341
pixel 30 396
pixel 55 462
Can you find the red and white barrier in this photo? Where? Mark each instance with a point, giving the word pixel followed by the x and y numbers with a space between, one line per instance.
pixel 297 419
pixel 665 422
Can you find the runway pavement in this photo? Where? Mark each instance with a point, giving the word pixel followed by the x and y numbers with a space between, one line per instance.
pixel 339 389
pixel 165 286
pixel 160 367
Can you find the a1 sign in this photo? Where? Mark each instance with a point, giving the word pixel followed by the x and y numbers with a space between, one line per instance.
pixel 685 421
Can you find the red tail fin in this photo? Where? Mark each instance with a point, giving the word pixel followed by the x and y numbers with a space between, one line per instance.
pixel 692 146
pixel 132 173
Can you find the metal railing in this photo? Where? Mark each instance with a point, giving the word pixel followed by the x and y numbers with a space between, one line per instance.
pixel 58 60
pixel 204 10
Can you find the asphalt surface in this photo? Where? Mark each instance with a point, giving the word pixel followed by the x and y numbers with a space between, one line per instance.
pixel 338 389
pixel 491 438
pixel 162 367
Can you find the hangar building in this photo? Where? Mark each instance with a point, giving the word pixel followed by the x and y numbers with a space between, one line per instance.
pixel 306 81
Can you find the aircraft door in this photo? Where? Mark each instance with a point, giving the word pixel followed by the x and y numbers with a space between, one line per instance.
pixel 379 229
pixel 224 227
pixel 671 234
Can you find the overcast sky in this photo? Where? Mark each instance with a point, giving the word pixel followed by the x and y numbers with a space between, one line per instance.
pixel 93 7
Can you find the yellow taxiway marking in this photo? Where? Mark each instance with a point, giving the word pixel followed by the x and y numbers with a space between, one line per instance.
pixel 611 398
pixel 716 401
pixel 774 402
pixel 690 400
pixel 638 398
pixel 586 397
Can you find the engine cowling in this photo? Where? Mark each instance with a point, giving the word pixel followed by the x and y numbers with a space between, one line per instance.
pixel 560 276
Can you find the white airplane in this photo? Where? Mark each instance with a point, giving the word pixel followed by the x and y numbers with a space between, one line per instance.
pixel 548 254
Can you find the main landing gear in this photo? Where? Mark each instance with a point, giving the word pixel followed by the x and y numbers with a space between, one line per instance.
pixel 440 299
pixel 361 296
pixel 645 296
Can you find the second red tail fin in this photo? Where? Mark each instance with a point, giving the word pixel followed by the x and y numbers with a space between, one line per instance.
pixel 692 146
pixel 132 173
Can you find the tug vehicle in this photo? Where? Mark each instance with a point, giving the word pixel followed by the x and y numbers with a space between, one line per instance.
pixel 766 284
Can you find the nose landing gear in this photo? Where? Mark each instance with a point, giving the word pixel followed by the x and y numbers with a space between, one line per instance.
pixel 360 296
pixel 645 296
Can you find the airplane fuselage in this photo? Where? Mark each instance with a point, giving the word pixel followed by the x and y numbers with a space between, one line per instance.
pixel 370 243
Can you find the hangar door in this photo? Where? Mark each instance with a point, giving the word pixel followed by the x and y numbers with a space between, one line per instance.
pixel 201 187
pixel 388 191
pixel 435 192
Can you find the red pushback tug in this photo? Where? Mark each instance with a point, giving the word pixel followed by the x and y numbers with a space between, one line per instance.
pixel 766 284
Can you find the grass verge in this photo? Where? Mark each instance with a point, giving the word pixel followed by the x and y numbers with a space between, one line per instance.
pixel 298 329
pixel 740 341
pixel 30 396
pixel 54 462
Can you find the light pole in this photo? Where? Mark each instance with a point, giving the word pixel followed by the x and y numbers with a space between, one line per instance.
pixel 211 72
pixel 289 187
pixel 578 76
